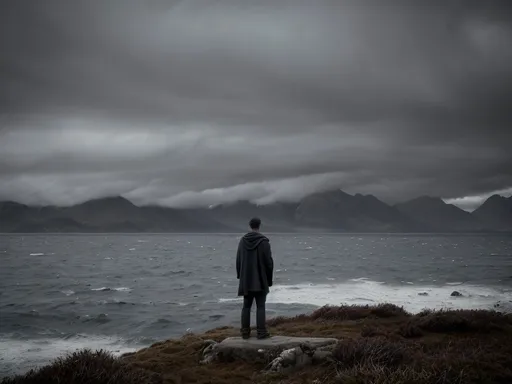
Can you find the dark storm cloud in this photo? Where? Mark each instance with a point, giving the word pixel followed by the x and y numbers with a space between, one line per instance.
pixel 199 102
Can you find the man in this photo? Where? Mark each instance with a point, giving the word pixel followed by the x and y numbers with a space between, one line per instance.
pixel 254 269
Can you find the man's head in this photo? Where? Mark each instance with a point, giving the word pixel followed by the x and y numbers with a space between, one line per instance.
pixel 255 224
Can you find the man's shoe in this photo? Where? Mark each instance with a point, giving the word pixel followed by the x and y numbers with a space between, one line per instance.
pixel 265 335
pixel 246 333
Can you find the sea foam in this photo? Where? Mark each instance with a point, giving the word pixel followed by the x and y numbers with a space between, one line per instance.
pixel 119 289
pixel 363 291
pixel 19 355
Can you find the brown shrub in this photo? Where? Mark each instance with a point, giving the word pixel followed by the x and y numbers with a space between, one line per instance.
pixel 375 374
pixel 462 321
pixel 389 310
pixel 354 352
pixel 370 331
pixel 85 366
pixel 357 312
pixel 343 313
pixel 276 321
pixel 410 330
pixel 424 312
pixel 340 313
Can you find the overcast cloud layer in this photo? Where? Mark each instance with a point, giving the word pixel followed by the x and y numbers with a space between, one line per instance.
pixel 188 103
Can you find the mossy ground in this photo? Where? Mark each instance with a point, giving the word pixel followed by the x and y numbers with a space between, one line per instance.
pixel 378 345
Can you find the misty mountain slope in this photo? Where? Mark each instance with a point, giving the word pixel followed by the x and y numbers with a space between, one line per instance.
pixel 11 214
pixel 15 217
pixel 105 211
pixel 276 217
pixel 118 214
pixel 99 215
pixel 439 216
pixel 341 211
pixel 164 219
pixel 109 214
pixel 496 213
pixel 331 211
pixel 322 209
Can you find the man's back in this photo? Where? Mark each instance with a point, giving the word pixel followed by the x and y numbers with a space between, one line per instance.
pixel 254 268
pixel 254 264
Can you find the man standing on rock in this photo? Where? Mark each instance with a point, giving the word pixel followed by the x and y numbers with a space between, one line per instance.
pixel 254 269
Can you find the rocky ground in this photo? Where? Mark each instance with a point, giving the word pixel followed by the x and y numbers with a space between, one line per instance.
pixel 380 345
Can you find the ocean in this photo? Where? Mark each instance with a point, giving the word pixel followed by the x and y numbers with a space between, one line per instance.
pixel 123 292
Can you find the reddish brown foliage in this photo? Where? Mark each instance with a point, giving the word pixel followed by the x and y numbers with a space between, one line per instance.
pixel 87 367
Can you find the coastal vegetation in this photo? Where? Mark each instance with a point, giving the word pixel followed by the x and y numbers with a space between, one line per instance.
pixel 377 345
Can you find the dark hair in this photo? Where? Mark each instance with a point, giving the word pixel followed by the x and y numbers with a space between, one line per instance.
pixel 255 223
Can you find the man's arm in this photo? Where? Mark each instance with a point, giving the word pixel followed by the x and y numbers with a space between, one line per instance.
pixel 269 263
pixel 238 262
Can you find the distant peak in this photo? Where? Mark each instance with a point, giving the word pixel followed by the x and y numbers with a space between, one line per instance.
pixel 110 200
pixel 11 203
pixel 361 196
pixel 496 200
pixel 497 197
pixel 329 193
pixel 430 199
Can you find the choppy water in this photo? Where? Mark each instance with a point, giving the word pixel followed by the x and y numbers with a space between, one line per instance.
pixel 122 292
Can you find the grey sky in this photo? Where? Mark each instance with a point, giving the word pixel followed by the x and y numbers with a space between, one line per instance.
pixel 201 102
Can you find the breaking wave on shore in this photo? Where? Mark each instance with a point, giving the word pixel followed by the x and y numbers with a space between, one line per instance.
pixel 18 355
pixel 414 298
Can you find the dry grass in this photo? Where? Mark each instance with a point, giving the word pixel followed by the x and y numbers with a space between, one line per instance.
pixel 372 352
pixel 378 345
pixel 461 321
pixel 86 367
pixel 410 330
pixel 345 312
pixel 365 374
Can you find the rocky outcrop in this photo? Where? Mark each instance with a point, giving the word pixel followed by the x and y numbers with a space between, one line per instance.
pixel 456 294
pixel 284 353
pixel 298 357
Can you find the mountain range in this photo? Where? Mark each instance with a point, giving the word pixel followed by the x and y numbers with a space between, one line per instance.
pixel 332 211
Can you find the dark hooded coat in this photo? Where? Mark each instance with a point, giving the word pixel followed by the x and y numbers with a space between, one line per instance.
pixel 254 264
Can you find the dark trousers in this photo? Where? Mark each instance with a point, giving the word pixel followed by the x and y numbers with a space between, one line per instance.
pixel 261 298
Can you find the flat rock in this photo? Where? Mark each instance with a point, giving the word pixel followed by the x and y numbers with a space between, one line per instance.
pixel 254 350
pixel 283 342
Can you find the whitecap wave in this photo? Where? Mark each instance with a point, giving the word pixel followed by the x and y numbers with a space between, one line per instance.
pixel 119 289
pixel 20 355
pixel 122 289
pixel 230 300
pixel 37 254
pixel 362 291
